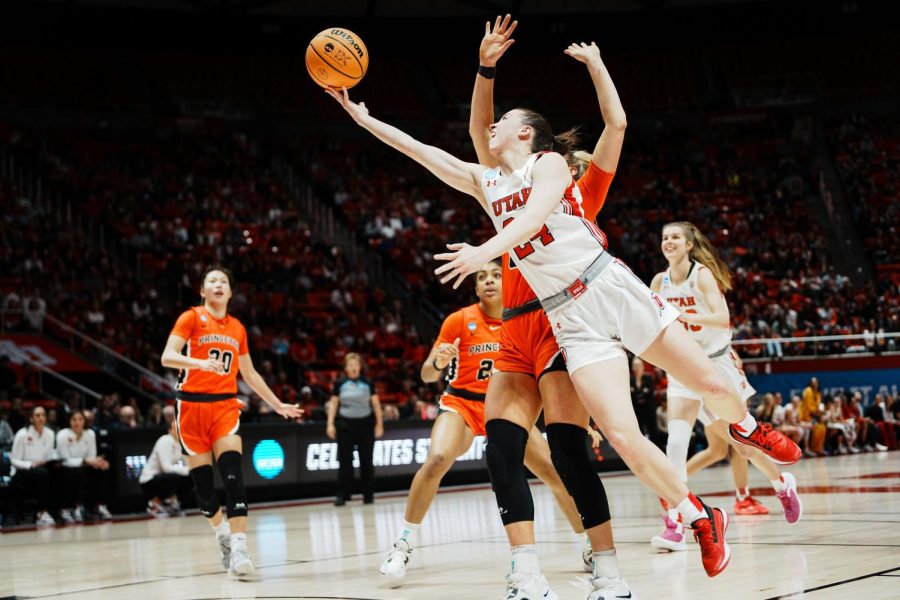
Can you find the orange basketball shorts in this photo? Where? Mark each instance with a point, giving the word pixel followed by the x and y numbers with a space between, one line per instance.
pixel 472 411
pixel 200 424
pixel 527 345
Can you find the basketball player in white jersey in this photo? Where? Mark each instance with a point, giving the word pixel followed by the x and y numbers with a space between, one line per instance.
pixel 695 284
pixel 596 305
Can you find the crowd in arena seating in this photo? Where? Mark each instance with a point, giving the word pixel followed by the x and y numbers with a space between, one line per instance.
pixel 176 203
pixel 748 186
pixel 867 155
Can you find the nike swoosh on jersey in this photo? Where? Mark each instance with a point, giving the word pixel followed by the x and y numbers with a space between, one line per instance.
pixel 494 327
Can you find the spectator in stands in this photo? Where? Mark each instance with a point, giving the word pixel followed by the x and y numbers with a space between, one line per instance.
pixel 792 427
pixel 355 420
pixel 6 432
pixel 35 311
pixel 810 407
pixel 31 453
pixel 127 418
pixel 165 478
pixel 168 413
pixel 83 472
pixel 52 419
pixel 106 416
pixel 766 410
pixel 18 418
pixel 391 412
pixel 154 416
pixel 9 379
pixel 852 411
pixel 876 412
pixel 836 439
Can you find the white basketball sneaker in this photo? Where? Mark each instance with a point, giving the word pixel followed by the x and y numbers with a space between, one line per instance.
pixel 240 563
pixel 527 586
pixel 66 516
pixel 587 557
pixel 45 520
pixel 609 589
pixel 395 564
pixel 225 550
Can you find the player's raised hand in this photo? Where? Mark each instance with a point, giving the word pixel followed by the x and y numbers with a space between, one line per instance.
pixel 213 365
pixel 583 52
pixel 446 354
pixel 357 111
pixel 461 262
pixel 496 40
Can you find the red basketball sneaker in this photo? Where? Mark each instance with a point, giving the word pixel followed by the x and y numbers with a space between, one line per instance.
pixel 777 446
pixel 709 532
pixel 749 506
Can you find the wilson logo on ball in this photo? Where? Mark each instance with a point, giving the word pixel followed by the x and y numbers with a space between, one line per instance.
pixel 337 58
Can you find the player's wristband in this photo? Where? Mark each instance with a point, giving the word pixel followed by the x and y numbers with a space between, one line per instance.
pixel 434 364
pixel 487 72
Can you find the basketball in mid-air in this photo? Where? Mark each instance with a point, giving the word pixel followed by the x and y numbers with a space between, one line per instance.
pixel 337 58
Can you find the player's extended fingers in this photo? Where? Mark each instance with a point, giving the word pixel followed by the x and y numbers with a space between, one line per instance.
pixel 456 246
pixel 510 30
pixel 445 267
pixel 505 23
pixel 453 273
pixel 456 343
pixel 487 28
pixel 497 24
pixel 459 281
pixel 505 46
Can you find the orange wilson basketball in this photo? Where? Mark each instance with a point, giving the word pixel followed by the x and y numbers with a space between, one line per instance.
pixel 337 58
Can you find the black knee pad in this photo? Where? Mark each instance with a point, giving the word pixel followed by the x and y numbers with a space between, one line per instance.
pixel 568 450
pixel 505 457
pixel 204 487
pixel 233 479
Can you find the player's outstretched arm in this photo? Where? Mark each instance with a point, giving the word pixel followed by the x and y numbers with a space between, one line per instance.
pixel 259 385
pixel 550 177
pixel 494 44
pixel 609 146
pixel 460 175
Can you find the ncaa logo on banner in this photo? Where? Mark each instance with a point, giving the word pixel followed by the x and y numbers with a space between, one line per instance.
pixel 268 459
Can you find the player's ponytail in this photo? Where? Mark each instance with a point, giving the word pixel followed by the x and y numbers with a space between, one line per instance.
pixel 543 139
pixel 705 253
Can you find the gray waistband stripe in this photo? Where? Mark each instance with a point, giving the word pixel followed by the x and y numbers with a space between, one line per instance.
pixel 719 353
pixel 590 274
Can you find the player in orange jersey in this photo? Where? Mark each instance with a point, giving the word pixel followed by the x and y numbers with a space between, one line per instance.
pixel 531 372
pixel 209 346
pixel 464 353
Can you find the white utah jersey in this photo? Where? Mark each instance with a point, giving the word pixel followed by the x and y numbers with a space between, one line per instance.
pixel 687 298
pixel 566 245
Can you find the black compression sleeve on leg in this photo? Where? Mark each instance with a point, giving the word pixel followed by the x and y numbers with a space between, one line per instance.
pixel 506 465
pixel 204 487
pixel 233 479
pixel 568 450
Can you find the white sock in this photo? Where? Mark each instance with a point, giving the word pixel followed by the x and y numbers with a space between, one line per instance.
pixel 408 533
pixel 674 516
pixel 238 540
pixel 677 445
pixel 741 494
pixel 778 484
pixel 748 424
pixel 606 564
pixel 691 509
pixel 525 560
pixel 223 529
